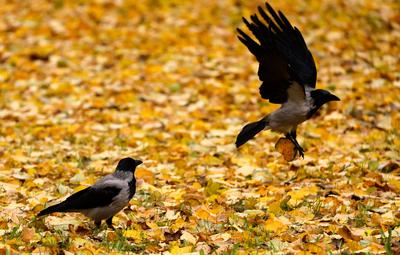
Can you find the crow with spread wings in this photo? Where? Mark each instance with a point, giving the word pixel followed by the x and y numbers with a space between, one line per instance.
pixel 288 74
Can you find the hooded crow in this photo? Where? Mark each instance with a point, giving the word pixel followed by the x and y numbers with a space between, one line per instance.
pixel 105 198
pixel 288 74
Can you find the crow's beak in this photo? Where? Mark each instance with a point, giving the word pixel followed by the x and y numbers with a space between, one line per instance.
pixel 332 97
pixel 139 162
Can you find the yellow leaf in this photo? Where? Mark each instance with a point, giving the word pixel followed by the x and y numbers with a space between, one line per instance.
pixel 202 214
pixel 274 225
pixel 179 223
pixel 314 249
pixel 156 233
pixel 353 245
pixel 394 184
pixel 302 214
pixel 275 208
pixel 152 224
pixel 196 185
pixel 210 160
pixel 133 234
pixel 299 195
pixel 186 236
pixel 346 233
pixel 217 209
pixel 145 174
pixel 4 75
pixel 175 249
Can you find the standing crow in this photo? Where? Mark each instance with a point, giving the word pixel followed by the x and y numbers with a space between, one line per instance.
pixel 105 198
pixel 288 74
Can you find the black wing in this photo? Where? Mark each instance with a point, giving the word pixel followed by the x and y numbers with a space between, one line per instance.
pixel 91 198
pixel 282 53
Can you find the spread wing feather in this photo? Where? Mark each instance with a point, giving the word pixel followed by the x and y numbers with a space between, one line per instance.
pixel 282 53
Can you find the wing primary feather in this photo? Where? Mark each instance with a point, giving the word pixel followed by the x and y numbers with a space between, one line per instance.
pixel 250 43
pixel 298 33
pixel 245 21
pixel 285 21
pixel 251 27
pixel 281 51
pixel 275 16
pixel 258 31
pixel 265 16
pixel 264 34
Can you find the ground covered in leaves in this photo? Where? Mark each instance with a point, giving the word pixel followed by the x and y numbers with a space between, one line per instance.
pixel 84 84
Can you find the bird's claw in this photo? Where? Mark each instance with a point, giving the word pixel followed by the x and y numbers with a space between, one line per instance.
pixel 300 150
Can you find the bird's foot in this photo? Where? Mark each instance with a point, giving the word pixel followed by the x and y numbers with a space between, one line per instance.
pixel 109 223
pixel 98 224
pixel 300 150
pixel 98 228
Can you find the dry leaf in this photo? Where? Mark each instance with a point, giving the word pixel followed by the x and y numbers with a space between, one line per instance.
pixel 286 147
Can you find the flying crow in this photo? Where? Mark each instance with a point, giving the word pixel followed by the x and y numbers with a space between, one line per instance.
pixel 105 198
pixel 288 74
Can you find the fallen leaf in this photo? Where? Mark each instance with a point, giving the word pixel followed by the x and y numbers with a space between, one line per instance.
pixel 285 147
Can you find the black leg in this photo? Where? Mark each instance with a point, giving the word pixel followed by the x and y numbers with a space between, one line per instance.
pixel 97 223
pixel 109 222
pixel 292 137
pixel 293 133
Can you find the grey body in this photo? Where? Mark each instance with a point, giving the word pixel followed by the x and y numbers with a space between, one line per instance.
pixel 291 113
pixel 119 202
pixel 105 198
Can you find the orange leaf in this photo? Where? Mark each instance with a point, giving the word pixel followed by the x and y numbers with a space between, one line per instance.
pixel 285 147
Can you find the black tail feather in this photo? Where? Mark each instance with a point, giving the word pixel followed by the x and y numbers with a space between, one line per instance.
pixel 249 131
pixel 54 208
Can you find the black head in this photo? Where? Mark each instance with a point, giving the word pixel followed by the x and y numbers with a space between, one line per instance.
pixel 322 97
pixel 128 164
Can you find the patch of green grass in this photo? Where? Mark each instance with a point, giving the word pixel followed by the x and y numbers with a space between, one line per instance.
pixel 150 199
pixel 233 250
pixel 212 188
pixel 245 204
pixel 64 240
pixel 373 165
pixel 121 244
pixel 14 233
pixel 260 238
pixel 175 87
pixel 361 217
pixel 83 161
pixel 316 207
pixel 120 140
pixel 284 204
pixel 205 226
pixel 387 241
